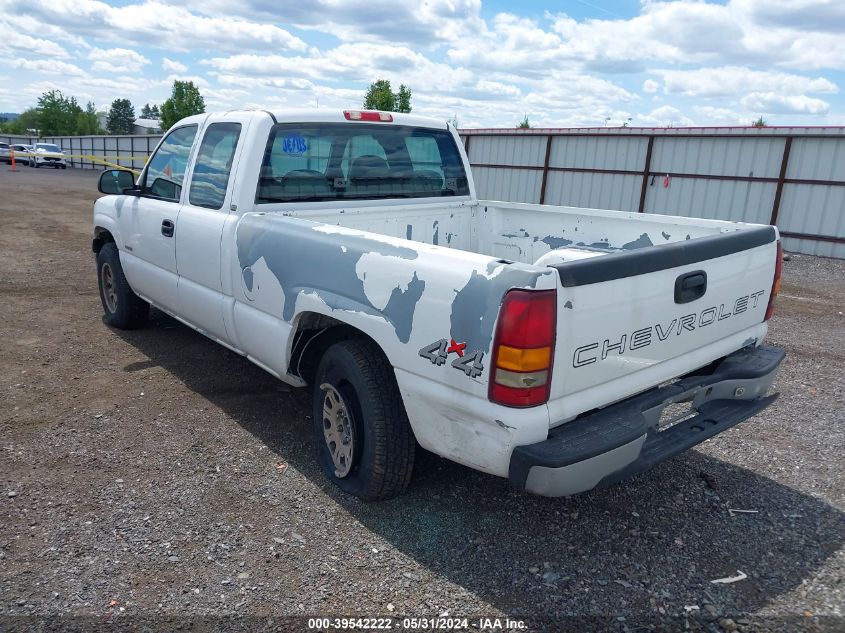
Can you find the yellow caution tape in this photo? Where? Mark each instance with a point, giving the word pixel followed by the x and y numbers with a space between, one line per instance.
pixel 91 158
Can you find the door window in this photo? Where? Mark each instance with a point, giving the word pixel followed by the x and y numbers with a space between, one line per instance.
pixel 166 169
pixel 213 165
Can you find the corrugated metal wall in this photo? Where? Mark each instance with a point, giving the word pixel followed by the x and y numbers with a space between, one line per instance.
pixel 791 177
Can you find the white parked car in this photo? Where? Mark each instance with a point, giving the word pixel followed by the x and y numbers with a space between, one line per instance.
pixel 48 154
pixel 348 251
pixel 5 153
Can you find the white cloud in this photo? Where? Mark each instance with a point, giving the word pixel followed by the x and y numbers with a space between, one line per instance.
pixel 14 43
pixel 172 66
pixel 777 103
pixel 47 67
pixel 116 60
pixel 153 23
pixel 727 81
pixel 650 85
pixel 664 116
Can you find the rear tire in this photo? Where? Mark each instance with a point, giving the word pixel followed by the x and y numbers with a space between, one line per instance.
pixel 123 308
pixel 358 409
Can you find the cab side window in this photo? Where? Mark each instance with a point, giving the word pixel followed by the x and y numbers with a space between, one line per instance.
pixel 213 165
pixel 166 169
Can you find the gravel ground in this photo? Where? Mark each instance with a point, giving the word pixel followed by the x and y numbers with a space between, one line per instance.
pixel 153 474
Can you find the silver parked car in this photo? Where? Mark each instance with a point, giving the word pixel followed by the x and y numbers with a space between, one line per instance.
pixel 5 154
pixel 24 154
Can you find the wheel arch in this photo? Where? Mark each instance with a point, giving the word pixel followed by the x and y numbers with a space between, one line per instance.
pixel 314 333
pixel 102 236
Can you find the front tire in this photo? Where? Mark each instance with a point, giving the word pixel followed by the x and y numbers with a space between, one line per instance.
pixel 123 308
pixel 365 444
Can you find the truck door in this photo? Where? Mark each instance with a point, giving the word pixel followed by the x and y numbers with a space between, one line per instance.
pixel 200 225
pixel 148 222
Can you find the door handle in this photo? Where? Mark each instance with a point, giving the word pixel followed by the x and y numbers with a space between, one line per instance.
pixel 690 286
pixel 167 228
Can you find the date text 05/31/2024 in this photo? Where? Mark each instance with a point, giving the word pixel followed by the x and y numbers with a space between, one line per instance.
pixel 415 624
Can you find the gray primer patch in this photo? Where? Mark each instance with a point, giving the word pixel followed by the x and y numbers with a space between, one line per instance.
pixel 449 237
pixel 436 237
pixel 641 242
pixel 306 260
pixel 556 242
pixel 409 231
pixel 476 305
pixel 568 304
pixel 665 235
pixel 604 246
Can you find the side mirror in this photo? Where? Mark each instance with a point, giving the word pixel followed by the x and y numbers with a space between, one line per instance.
pixel 116 181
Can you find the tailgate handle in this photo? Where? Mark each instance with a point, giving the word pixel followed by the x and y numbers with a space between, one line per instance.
pixel 690 286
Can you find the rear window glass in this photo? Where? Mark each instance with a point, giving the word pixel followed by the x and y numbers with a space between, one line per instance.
pixel 342 161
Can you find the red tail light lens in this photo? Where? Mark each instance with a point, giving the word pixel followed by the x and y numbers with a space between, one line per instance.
pixel 523 348
pixel 770 309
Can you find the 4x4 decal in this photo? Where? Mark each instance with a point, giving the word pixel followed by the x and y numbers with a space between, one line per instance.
pixel 469 363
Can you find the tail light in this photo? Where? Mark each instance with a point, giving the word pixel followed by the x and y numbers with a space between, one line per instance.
pixel 770 310
pixel 367 115
pixel 523 349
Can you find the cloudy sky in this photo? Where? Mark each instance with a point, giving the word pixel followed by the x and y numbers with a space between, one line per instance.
pixel 563 63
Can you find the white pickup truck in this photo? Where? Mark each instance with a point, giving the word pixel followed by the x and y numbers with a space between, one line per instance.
pixel 348 251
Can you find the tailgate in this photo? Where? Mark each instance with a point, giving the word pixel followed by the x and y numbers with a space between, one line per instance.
pixel 630 321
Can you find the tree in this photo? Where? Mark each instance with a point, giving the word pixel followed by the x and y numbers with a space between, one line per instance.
pixel 185 100
pixel 26 123
pixel 761 122
pixel 150 112
pixel 87 122
pixel 380 96
pixel 121 119
pixel 57 114
pixel 403 99
pixel 525 124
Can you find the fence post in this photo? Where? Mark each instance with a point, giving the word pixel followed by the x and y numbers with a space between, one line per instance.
pixel 646 171
pixel 784 163
pixel 545 169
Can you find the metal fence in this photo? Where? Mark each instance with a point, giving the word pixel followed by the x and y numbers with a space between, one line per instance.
pixel 95 152
pixel 791 177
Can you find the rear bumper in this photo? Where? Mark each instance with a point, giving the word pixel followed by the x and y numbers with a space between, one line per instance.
pixel 623 439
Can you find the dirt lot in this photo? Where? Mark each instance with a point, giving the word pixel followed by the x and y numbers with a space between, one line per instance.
pixel 141 478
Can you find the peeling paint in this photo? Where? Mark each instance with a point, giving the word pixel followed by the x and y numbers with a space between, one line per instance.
pixel 435 239
pixel 503 425
pixel 305 257
pixel 409 232
pixel 556 242
pixel 641 242
pixel 476 305
pixel 665 235
pixel 568 305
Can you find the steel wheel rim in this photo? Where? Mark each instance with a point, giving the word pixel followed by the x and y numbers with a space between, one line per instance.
pixel 109 290
pixel 338 430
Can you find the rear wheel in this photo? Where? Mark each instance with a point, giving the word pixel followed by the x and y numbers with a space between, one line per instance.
pixel 365 444
pixel 123 308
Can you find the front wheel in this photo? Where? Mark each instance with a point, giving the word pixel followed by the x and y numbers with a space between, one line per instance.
pixel 123 308
pixel 365 444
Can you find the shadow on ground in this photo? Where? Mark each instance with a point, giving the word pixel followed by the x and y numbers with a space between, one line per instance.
pixel 652 543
